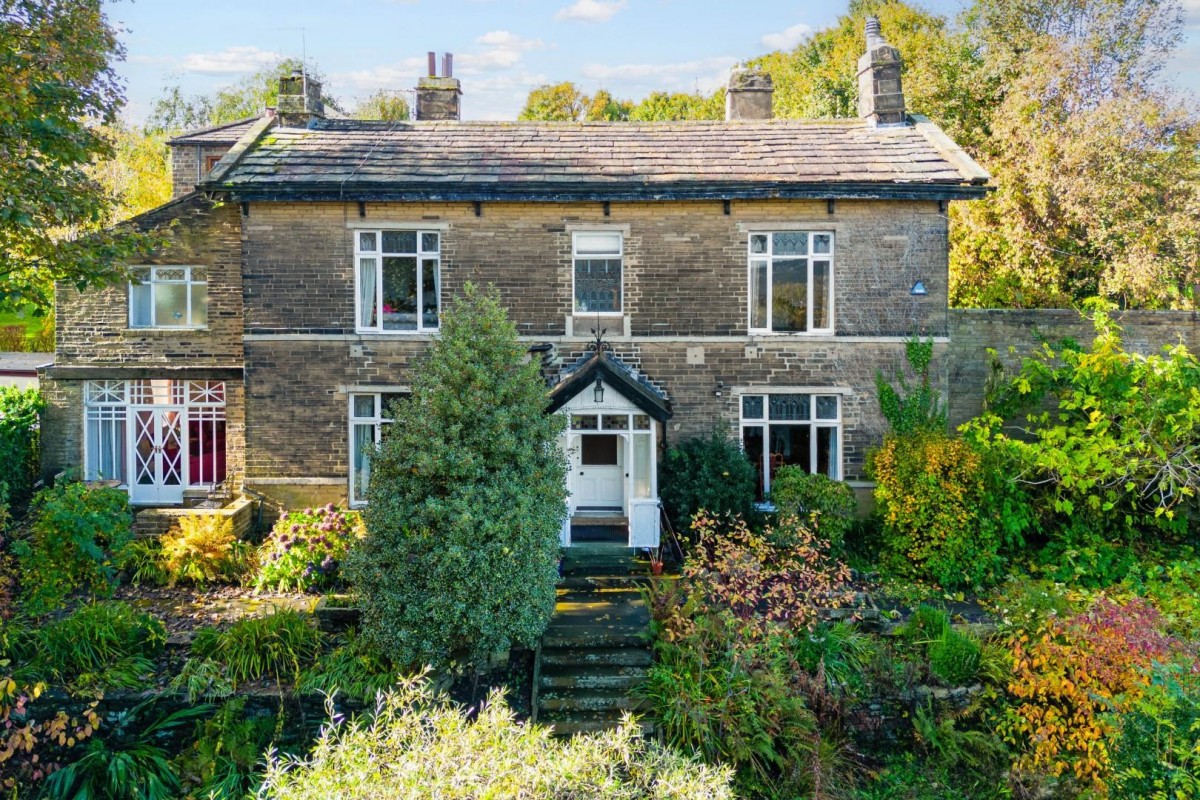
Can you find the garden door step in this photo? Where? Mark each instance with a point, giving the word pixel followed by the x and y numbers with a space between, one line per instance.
pixel 596 649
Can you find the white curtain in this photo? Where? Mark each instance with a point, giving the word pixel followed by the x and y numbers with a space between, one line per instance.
pixel 366 292
pixel 364 446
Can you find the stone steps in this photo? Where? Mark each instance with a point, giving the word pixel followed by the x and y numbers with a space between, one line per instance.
pixel 596 649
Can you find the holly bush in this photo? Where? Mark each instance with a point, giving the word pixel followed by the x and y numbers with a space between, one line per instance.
pixel 709 472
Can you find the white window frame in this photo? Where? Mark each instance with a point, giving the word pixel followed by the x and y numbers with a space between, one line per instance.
pixel 192 276
pixel 770 257
pixel 765 422
pixel 377 420
pixel 116 400
pixel 421 255
pixel 577 256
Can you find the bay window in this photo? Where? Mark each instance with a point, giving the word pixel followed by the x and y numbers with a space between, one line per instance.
pixel 791 282
pixel 398 280
pixel 802 430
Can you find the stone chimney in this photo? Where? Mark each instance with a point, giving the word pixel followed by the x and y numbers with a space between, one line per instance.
pixel 748 95
pixel 880 97
pixel 438 97
pixel 299 100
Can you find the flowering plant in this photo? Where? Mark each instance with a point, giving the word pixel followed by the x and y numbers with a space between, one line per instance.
pixel 305 549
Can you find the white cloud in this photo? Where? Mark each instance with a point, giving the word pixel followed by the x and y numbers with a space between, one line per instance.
pixel 228 61
pixel 591 10
pixel 510 41
pixel 708 72
pixel 788 38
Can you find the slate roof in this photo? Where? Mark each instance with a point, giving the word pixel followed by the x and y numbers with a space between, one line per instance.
pixel 348 159
pixel 228 133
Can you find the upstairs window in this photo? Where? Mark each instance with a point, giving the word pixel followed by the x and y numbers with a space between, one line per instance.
pixel 169 297
pixel 597 257
pixel 399 281
pixel 802 430
pixel 791 282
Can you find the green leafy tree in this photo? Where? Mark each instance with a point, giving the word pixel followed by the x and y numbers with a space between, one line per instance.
pixel 603 107
pixel 138 174
pixel 59 89
pixel 384 105
pixel 467 499
pixel 558 102
pixel 679 106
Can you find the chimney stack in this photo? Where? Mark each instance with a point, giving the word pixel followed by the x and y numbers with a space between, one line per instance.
pixel 299 100
pixel 748 94
pixel 438 97
pixel 880 96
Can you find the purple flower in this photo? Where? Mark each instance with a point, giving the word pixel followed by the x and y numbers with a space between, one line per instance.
pixel 274 556
pixel 308 570
pixel 328 565
pixel 329 508
pixel 295 527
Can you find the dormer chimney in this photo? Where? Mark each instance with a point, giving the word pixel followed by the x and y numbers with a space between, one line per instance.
pixel 438 96
pixel 880 96
pixel 299 100
pixel 748 94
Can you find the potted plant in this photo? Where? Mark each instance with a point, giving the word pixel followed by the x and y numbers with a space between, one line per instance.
pixel 656 562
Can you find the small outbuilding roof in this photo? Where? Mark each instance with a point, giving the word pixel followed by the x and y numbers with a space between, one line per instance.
pixel 352 159
pixel 228 133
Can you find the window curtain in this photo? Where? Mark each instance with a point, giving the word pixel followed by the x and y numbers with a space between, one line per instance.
pixel 366 292
pixel 364 445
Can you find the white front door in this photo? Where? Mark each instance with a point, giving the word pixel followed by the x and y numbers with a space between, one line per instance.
pixel 158 456
pixel 600 482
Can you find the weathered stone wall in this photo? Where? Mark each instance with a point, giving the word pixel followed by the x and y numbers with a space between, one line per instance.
pixel 974 331
pixel 187 165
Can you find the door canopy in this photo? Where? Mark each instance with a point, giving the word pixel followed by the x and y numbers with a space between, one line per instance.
pixel 605 366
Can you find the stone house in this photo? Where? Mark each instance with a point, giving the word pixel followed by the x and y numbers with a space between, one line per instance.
pixel 751 273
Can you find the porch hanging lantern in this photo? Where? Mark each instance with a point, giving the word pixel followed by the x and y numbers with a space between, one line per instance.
pixel 598 391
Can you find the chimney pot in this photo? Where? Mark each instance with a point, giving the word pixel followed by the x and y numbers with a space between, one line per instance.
pixel 880 94
pixel 448 65
pixel 748 94
pixel 438 99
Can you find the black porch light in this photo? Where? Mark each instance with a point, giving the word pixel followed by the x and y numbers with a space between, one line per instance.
pixel 598 391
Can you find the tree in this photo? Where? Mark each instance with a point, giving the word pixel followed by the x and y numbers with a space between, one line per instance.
pixel 467 499
pixel 384 105
pixel 249 97
pixel 59 88
pixel 603 107
pixel 678 105
pixel 559 102
pixel 138 175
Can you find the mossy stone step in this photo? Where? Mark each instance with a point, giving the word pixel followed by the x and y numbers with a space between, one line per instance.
pixel 599 700
pixel 612 677
pixel 574 637
pixel 593 656
pixel 571 723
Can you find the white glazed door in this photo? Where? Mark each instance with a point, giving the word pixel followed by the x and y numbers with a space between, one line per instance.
pixel 158 458
pixel 600 478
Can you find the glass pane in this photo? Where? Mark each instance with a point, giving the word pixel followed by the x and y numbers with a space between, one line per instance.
pixel 367 275
pixel 170 304
pixel 822 301
pixel 821 242
pixel 641 466
pixel 399 293
pixel 789 304
pixel 758 295
pixel 827 407
pixel 362 445
pixel 758 243
pixel 400 241
pixel 790 244
pixel 206 451
pixel 199 304
pixel 752 406
pixel 789 406
pixel 752 443
pixel 429 242
pixel 139 309
pixel 364 406
pixel 584 422
pixel 598 284
pixel 429 293
pixel 599 450
pixel 615 422
pixel 601 244
pixel 366 241
pixel 170 274
pixel 790 444
pixel 641 422
pixel 827 454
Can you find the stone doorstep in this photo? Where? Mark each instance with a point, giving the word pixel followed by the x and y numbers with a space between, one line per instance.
pixel 612 677
pixel 570 724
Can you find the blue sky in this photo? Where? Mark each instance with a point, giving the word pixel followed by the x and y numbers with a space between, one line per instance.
pixel 502 48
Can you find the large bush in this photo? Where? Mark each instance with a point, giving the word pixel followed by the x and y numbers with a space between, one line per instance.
pixel 419 746
pixel 946 514
pixel 467 499
pixel 77 532
pixel 829 505
pixel 305 549
pixel 710 473
pixel 19 432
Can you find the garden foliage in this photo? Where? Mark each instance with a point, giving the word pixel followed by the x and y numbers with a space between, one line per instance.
pixel 419 746
pixel 19 442
pixel 305 549
pixel 710 473
pixel 224 760
pixel 912 408
pixel 467 499
pixel 827 505
pixel 77 532
pixel 278 645
pixel 99 646
pixel 202 550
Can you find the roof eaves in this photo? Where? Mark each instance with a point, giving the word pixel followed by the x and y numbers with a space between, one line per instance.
pixel 185 138
pixel 947 149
